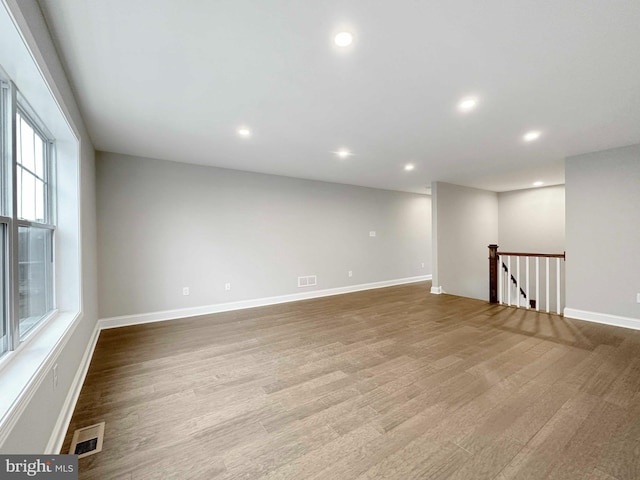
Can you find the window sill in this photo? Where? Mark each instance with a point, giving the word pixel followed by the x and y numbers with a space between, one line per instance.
pixel 23 370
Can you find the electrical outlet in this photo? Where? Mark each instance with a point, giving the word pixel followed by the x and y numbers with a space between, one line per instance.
pixel 638 297
pixel 372 233
pixel 185 291
pixel 55 376
pixel 308 281
pixel 422 264
pixel 227 286
pixel 350 273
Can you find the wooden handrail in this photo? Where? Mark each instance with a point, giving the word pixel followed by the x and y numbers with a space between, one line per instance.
pixel 548 255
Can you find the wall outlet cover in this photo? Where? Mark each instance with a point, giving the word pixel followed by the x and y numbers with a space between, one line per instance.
pixel 307 281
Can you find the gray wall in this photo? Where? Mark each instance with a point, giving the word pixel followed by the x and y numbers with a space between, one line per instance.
pixel 466 223
pixel 34 428
pixel 164 225
pixel 532 220
pixel 603 231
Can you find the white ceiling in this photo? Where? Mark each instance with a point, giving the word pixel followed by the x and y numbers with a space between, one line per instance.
pixel 173 79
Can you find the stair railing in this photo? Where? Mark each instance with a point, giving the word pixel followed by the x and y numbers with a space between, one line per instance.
pixel 506 285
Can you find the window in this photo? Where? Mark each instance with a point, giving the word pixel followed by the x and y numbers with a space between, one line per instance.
pixel 5 220
pixel 34 276
pixel 31 171
pixel 27 226
pixel 4 268
pixel 35 229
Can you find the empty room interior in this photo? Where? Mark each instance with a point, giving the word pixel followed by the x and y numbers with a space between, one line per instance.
pixel 321 240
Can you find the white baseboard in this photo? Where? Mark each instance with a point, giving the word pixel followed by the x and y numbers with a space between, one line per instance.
pixel 607 319
pixel 123 321
pixel 64 419
pixel 436 290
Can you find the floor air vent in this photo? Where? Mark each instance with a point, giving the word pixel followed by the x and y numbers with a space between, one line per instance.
pixel 87 441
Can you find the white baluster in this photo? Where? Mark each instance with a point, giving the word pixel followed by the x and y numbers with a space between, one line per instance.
pixel 504 295
pixel 547 280
pixel 500 279
pixel 558 284
pixel 518 282
pixel 538 284
pixel 509 280
pixel 528 299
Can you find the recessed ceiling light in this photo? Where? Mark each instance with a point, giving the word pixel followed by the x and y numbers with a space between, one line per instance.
pixel 244 132
pixel 343 153
pixel 467 104
pixel 531 136
pixel 343 39
pixel 409 166
pixel 538 184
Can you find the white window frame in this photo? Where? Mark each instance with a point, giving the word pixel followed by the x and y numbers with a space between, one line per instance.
pixel 12 105
pixel 6 219
pixel 23 108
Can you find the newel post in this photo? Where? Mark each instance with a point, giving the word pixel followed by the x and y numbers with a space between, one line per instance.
pixel 493 273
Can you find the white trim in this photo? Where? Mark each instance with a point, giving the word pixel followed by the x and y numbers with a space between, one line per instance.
pixel 12 355
pixel 126 320
pixel 607 319
pixel 26 371
pixel 437 290
pixel 64 419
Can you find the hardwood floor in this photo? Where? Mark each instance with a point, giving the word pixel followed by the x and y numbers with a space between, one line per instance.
pixel 393 383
